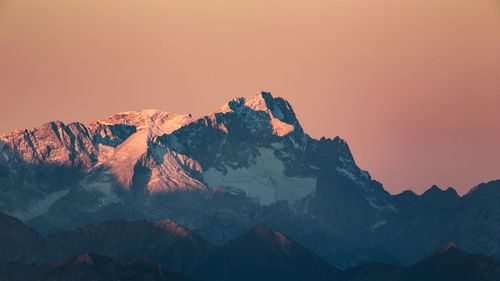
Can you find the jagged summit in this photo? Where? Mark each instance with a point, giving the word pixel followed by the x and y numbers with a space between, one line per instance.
pixel 279 112
pixel 278 107
pixel 246 164
pixel 407 194
pixel 156 121
pixel 435 190
pixel 263 101
pixel 253 146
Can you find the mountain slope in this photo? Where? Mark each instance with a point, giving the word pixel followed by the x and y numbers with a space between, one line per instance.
pixel 265 254
pixel 447 264
pixel 86 267
pixel 162 241
pixel 18 242
pixel 451 263
pixel 247 163
pixel 259 254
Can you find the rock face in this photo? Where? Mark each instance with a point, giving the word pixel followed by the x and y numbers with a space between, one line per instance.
pixel 265 254
pixel 249 162
pixel 85 267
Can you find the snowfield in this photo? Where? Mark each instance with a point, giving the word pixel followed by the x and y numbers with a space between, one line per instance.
pixel 264 180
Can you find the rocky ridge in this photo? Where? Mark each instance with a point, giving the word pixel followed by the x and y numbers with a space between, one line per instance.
pixel 249 162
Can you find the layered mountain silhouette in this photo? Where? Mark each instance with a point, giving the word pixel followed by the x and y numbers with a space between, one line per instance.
pixel 17 241
pixel 447 264
pixel 86 267
pixel 265 254
pixel 259 254
pixel 162 241
pixel 247 163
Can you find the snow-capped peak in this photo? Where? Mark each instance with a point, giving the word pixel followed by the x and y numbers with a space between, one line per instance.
pixel 281 116
pixel 157 121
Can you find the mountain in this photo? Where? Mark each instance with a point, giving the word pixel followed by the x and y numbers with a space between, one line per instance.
pixel 480 219
pixel 249 162
pixel 262 251
pixel 439 216
pixel 17 241
pixel 373 272
pixel 265 254
pixel 452 263
pixel 447 264
pixel 162 241
pixel 90 267
pixel 259 254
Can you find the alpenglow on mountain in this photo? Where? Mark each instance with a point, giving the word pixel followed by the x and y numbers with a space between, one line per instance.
pixel 247 163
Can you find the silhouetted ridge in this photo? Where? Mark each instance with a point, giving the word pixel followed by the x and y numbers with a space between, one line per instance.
pixel 265 254
pixel 17 241
pixel 162 241
pixel 85 259
pixel 447 264
pixel 435 190
pixel 450 246
pixel 85 267
pixel 247 163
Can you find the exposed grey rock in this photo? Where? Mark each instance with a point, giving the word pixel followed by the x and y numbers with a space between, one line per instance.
pixel 249 162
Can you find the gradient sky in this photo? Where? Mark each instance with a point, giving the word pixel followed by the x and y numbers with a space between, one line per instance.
pixel 413 85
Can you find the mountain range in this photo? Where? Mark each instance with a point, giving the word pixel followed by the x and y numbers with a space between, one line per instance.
pixel 259 254
pixel 247 163
pixel 85 267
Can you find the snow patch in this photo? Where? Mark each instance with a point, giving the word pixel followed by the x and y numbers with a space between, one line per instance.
pixel 294 143
pixel 372 203
pixel 39 207
pixel 264 180
pixel 168 172
pixel 343 159
pixel 105 153
pixel 347 173
pixel 277 145
pixel 157 122
pixel 378 224
pixel 385 207
pixel 104 186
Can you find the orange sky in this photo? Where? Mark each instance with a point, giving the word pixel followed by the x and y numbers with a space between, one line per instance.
pixel 413 86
